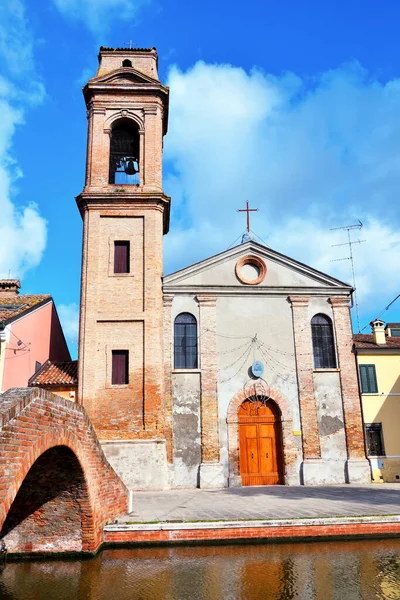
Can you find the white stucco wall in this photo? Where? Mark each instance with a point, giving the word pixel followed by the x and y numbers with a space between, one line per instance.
pixel 238 320
pixel 263 313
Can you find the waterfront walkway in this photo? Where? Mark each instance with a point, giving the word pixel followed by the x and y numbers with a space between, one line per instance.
pixel 267 502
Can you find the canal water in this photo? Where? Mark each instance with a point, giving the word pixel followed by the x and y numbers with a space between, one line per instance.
pixel 366 570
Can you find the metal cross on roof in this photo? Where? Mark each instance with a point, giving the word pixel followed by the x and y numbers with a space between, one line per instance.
pixel 130 44
pixel 248 211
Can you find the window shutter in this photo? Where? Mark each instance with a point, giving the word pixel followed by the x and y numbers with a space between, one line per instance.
pixel 373 386
pixel 121 257
pixel 120 367
pixel 364 378
pixel 368 379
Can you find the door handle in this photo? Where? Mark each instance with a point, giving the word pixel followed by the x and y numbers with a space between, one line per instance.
pixel 266 455
pixel 252 455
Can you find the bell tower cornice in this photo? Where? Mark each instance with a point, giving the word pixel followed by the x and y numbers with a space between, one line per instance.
pixel 127 110
pixel 130 203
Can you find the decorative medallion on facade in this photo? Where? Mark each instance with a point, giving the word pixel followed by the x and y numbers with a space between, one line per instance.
pixel 250 270
pixel 257 369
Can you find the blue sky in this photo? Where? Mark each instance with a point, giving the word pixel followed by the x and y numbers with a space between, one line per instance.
pixel 292 105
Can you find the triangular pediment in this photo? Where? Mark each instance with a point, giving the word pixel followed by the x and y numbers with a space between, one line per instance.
pixel 125 75
pixel 235 271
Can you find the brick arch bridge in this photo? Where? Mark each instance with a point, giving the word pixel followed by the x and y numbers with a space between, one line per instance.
pixel 57 489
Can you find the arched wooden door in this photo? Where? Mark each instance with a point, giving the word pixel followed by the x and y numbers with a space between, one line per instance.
pixel 260 439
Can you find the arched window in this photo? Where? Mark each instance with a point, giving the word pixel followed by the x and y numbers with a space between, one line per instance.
pixel 124 153
pixel 126 63
pixel 185 342
pixel 323 342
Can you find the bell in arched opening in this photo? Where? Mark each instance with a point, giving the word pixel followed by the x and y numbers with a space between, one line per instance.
pixel 130 168
pixel 124 154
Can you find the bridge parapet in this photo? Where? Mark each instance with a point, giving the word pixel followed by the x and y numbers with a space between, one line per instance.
pixel 57 489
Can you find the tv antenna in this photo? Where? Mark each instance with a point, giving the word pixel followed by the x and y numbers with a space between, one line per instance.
pixel 350 243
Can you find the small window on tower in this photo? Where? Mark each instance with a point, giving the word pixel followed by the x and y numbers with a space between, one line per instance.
pixel 126 63
pixel 120 367
pixel 121 257
pixel 124 153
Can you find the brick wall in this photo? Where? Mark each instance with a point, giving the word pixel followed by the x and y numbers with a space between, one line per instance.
pixel 57 489
pixel 168 401
pixel 348 379
pixel 267 533
pixel 305 377
pixel 124 312
pixel 209 379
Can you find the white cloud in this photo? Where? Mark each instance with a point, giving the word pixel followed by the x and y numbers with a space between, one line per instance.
pixel 69 317
pixel 16 40
pixel 312 154
pixel 98 14
pixel 376 260
pixel 22 229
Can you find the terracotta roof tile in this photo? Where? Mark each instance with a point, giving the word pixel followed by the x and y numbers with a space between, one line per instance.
pixel 10 283
pixel 14 306
pixel 126 49
pixel 366 340
pixel 56 373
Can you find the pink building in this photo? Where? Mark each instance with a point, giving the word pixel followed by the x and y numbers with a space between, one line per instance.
pixel 30 334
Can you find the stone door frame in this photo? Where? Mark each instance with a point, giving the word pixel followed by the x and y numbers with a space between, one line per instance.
pixel 289 450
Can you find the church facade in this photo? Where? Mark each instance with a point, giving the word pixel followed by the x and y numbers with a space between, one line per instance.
pixel 234 371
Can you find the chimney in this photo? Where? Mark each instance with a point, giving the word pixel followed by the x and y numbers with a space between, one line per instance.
pixel 378 329
pixel 9 287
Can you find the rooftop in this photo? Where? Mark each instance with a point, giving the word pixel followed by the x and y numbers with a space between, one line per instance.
pixel 366 340
pixel 10 283
pixel 14 306
pixel 126 49
pixel 56 373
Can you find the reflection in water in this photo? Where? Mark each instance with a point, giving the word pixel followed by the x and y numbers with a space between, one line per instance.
pixel 364 570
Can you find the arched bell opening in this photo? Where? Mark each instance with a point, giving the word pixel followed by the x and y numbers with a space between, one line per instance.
pixel 124 153
pixel 260 442
pixel 51 511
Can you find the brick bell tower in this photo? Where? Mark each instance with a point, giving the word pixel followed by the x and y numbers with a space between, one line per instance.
pixel 125 214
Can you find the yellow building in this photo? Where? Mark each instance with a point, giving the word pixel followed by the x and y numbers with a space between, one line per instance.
pixel 378 358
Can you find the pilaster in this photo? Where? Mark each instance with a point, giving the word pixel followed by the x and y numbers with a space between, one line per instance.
pixel 349 384
pixel 211 475
pixel 305 377
pixel 209 378
pixel 153 324
pixel 168 336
